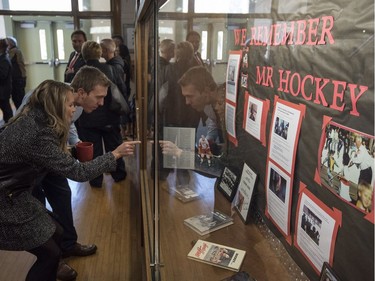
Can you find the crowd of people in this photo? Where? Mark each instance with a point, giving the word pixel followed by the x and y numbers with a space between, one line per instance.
pixel 35 160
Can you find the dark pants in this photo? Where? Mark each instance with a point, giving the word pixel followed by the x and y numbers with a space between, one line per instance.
pixel 110 136
pixel 7 109
pixel 48 257
pixel 57 191
pixel 18 91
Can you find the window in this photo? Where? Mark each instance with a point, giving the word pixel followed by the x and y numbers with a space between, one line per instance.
pixel 94 5
pixel 36 5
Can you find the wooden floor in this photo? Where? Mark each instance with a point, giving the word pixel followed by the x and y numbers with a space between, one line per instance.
pixel 110 217
pixel 266 259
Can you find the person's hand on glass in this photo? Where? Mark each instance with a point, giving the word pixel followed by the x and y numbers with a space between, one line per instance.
pixel 125 149
pixel 169 148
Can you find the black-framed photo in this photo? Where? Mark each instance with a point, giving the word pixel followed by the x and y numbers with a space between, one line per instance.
pixel 244 193
pixel 228 183
pixel 328 274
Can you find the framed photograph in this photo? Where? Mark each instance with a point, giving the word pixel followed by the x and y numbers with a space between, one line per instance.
pixel 228 183
pixel 242 200
pixel 327 273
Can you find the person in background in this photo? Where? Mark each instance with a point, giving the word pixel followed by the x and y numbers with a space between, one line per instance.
pixel 167 52
pixel 90 87
pixel 194 38
pixel 32 143
pixel 109 54
pixel 5 81
pixel 75 61
pixel 18 71
pixel 123 51
pixel 103 125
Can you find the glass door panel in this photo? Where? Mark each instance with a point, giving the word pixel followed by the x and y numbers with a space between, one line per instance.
pixel 46 46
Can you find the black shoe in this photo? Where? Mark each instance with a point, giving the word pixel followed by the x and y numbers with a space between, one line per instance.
pixel 80 250
pixel 96 185
pixel 65 272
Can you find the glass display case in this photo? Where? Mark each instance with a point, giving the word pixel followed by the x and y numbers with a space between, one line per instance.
pixel 248 112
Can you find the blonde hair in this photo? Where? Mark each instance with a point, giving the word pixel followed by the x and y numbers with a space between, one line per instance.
pixel 91 50
pixel 50 96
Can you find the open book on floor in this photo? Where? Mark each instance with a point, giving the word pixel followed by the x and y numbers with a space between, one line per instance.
pixel 206 223
pixel 217 255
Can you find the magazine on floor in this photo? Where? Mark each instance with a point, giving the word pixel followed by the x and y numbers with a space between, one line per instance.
pixel 217 255
pixel 209 222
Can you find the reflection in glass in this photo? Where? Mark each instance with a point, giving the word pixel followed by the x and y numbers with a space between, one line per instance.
pixel 172 29
pixel 295 7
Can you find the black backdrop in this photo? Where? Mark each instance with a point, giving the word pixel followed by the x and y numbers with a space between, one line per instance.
pixel 350 59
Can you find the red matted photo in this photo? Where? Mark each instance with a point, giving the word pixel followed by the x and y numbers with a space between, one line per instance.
pixel 347 164
pixel 315 229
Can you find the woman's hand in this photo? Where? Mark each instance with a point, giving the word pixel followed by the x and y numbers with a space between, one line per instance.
pixel 125 149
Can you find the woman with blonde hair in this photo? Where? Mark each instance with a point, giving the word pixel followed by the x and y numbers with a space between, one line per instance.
pixel 32 143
